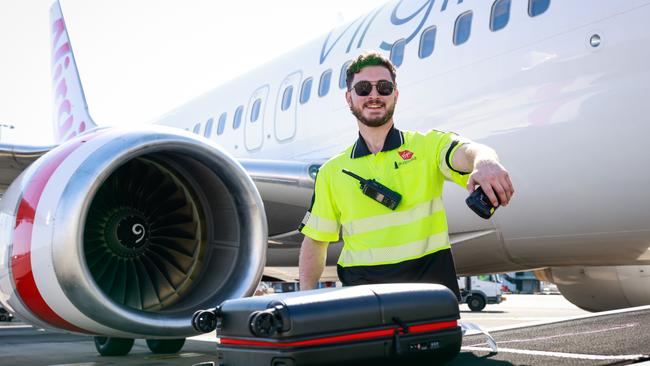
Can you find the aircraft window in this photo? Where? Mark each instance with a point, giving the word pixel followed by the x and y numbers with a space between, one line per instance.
pixel 286 97
pixel 324 86
pixel 236 120
pixel 463 28
pixel 197 128
pixel 397 52
pixel 427 42
pixel 344 74
pixel 537 7
pixel 305 91
pixel 255 110
pixel 208 128
pixel 500 15
pixel 222 123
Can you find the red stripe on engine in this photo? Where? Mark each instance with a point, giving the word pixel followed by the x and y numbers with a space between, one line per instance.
pixel 422 328
pixel 21 263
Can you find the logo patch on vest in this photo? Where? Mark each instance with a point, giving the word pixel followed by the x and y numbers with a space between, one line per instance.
pixel 406 155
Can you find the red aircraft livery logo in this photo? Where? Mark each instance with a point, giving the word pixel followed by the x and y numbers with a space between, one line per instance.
pixel 406 155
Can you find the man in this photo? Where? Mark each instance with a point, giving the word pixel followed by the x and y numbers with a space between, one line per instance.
pixel 407 243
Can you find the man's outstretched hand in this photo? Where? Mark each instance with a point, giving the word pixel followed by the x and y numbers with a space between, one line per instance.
pixel 494 179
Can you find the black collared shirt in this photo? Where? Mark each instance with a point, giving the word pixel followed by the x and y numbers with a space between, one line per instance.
pixel 394 139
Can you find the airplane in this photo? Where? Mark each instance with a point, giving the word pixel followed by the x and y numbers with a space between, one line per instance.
pixel 122 233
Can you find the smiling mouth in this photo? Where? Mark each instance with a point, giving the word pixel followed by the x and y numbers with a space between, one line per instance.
pixel 374 106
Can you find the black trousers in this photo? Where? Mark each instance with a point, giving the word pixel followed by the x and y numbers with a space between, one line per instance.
pixel 436 267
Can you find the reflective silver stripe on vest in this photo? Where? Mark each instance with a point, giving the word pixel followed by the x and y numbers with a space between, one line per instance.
pixel 394 254
pixel 418 212
pixel 322 224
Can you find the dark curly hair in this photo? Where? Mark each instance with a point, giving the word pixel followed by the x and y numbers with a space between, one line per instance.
pixel 368 58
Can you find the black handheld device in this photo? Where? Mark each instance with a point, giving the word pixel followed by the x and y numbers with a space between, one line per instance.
pixel 479 202
pixel 377 191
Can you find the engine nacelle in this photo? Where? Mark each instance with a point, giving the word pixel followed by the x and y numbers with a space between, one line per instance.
pixel 126 233
pixel 604 287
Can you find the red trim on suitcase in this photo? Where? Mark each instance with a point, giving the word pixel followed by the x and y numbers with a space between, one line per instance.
pixel 421 328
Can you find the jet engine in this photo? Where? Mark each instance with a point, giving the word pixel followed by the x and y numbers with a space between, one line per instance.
pixel 126 233
pixel 601 288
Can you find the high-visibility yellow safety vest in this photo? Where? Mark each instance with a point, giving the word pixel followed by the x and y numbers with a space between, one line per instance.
pixel 411 163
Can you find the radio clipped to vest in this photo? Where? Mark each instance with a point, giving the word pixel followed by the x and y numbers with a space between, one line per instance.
pixel 377 191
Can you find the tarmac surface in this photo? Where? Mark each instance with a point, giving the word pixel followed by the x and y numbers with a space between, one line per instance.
pixel 608 339
pixel 528 329
pixel 521 310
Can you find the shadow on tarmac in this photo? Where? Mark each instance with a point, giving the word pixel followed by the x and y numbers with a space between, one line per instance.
pixel 468 358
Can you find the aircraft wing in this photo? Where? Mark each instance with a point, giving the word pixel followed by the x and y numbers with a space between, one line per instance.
pixel 285 186
pixel 16 158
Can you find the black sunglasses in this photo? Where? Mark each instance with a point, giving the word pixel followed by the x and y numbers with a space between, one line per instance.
pixel 364 88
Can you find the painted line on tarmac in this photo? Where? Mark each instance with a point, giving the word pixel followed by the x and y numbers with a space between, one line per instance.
pixel 561 320
pixel 15 326
pixel 556 354
pixel 530 318
pixel 174 356
pixel 207 337
pixel 624 326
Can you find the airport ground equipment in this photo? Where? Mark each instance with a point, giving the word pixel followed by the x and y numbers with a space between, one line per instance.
pixel 370 324
pixel 477 291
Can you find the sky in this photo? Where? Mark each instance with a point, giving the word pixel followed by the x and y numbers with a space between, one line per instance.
pixel 140 59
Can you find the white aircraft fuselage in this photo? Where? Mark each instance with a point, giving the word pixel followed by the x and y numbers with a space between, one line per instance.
pixel 559 96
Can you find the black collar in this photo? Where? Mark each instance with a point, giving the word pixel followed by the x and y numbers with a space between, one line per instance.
pixel 394 139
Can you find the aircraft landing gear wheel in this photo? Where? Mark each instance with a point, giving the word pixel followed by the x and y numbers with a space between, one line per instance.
pixel 165 345
pixel 109 346
pixel 476 303
pixel 2 318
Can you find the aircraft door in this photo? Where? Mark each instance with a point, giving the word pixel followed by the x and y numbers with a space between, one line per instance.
pixel 286 107
pixel 254 121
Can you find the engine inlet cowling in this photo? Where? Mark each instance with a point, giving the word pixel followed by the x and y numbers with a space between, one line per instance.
pixel 137 229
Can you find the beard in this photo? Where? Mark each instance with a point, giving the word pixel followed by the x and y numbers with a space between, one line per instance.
pixel 373 122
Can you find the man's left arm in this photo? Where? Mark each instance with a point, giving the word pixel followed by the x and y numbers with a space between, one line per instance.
pixel 487 172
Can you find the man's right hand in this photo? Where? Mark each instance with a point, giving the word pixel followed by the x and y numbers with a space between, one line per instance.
pixel 313 254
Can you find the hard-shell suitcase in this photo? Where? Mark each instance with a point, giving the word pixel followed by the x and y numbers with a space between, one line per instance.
pixel 406 324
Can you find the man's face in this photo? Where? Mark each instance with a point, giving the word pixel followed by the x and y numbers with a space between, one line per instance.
pixel 373 110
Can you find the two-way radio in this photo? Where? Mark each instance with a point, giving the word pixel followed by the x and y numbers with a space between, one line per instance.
pixel 377 191
pixel 479 202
